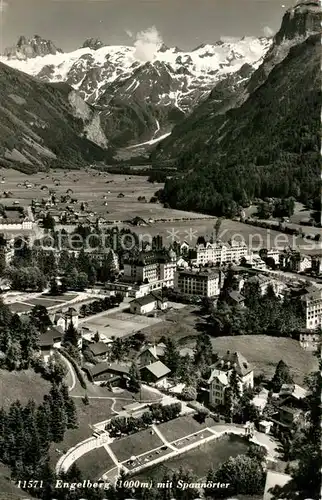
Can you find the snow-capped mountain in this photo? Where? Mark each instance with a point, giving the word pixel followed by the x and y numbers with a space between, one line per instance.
pixel 139 99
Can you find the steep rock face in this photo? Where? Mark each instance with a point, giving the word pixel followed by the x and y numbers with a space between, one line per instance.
pixel 264 141
pixel 141 100
pixel 92 43
pixel 30 48
pixel 45 125
pixel 300 21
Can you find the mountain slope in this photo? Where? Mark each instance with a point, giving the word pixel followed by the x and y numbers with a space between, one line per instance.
pixel 265 142
pixel 142 96
pixel 45 124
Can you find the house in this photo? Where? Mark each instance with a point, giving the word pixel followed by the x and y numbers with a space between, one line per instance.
pixel 221 371
pixel 107 372
pixel 155 373
pixel 260 400
pixel 150 355
pixel 99 350
pixel 50 339
pixel 148 303
pixel 293 390
pixel 265 426
pixel 235 298
pixel 138 221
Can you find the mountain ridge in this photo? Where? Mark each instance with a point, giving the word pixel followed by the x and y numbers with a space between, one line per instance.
pixel 231 154
pixel 43 125
pixel 138 92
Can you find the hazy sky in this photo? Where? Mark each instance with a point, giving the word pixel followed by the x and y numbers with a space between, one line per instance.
pixel 185 23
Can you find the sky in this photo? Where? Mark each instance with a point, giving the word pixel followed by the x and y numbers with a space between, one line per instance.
pixel 182 23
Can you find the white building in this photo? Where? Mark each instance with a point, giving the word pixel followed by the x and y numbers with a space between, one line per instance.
pixel 148 304
pixel 201 283
pixel 221 373
pixel 220 252
pixel 151 267
pixel 313 309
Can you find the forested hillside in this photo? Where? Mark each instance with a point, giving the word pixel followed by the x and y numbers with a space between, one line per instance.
pixel 267 146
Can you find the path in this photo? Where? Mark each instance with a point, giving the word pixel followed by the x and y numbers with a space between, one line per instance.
pixel 70 371
pixel 163 439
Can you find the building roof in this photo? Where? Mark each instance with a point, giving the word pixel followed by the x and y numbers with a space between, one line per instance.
pixel 98 348
pixel 236 296
pixel 147 299
pixel 52 335
pixel 158 369
pixel 234 360
pixel 105 367
pixel 294 390
pixel 205 273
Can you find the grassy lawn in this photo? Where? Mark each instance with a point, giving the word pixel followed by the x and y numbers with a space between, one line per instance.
pixel 45 302
pixel 136 444
pixel 199 460
pixel 182 426
pixel 64 297
pixel 265 352
pixel 18 307
pixel 179 324
pixel 95 463
pixel 97 411
pixel 8 490
pixel 21 385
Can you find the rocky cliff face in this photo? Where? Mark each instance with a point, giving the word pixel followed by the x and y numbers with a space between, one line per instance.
pixel 30 48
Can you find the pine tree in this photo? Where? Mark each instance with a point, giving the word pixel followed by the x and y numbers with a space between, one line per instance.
pixel 71 335
pixel 43 417
pixel 58 414
pixel 135 378
pixel 282 376
pixel 70 408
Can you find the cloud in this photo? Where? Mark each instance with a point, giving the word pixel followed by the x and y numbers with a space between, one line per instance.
pixel 268 31
pixel 229 39
pixel 147 43
pixel 3 6
pixel 129 33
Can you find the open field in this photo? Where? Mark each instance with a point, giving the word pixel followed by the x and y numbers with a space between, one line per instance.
pixel 136 444
pixel 25 304
pixel 91 187
pixel 22 385
pixel 183 426
pixel 101 189
pixel 265 352
pixel 180 324
pixel 94 463
pixel 198 460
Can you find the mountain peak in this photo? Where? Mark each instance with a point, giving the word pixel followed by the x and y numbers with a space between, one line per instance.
pixel 301 21
pixel 32 47
pixel 93 43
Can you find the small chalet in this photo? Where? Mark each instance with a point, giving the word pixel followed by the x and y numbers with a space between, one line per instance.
pixel 151 354
pixel 235 298
pixel 50 339
pixel 148 303
pixel 107 372
pixel 155 373
pixel 99 350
